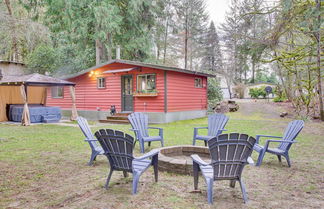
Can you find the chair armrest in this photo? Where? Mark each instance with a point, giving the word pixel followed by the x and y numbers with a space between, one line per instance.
pixel 160 130
pixel 222 129
pixel 272 140
pixel 149 154
pixel 250 161
pixel 198 160
pixel 201 128
pixel 196 131
pixel 155 128
pixel 257 138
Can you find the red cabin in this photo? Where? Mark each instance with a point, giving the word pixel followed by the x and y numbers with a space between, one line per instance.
pixel 165 93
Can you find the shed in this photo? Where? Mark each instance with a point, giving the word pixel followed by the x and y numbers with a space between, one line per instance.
pixel 32 88
pixel 164 93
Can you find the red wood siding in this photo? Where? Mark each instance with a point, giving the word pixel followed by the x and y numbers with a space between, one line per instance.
pixel 150 104
pixel 89 97
pixel 182 93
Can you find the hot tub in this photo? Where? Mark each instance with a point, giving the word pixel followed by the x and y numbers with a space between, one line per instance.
pixel 38 113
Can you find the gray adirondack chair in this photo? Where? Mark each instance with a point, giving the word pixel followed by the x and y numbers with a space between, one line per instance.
pixel 95 148
pixel 118 148
pixel 139 122
pixel 229 154
pixel 291 132
pixel 216 124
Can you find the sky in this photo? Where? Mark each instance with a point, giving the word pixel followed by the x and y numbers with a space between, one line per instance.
pixel 217 9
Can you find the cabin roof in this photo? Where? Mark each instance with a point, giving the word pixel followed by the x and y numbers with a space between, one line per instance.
pixel 11 62
pixel 139 64
pixel 34 79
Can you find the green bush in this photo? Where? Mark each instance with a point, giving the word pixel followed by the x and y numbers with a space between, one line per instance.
pixel 214 91
pixel 280 94
pixel 255 93
pixel 278 99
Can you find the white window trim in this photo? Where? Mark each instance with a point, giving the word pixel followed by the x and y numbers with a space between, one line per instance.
pixel 104 83
pixel 153 74
pixel 199 87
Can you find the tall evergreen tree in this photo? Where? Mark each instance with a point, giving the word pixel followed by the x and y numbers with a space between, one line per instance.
pixel 212 57
pixel 192 20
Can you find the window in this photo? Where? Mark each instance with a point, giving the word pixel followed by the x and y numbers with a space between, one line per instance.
pixel 146 83
pixel 198 83
pixel 57 91
pixel 101 83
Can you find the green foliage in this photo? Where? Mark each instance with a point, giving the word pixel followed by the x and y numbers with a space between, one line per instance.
pixel 212 57
pixel 265 77
pixel 215 93
pixel 214 90
pixel 42 59
pixel 255 93
pixel 278 99
pixel 280 94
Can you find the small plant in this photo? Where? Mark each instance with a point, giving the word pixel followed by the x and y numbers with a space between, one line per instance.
pixel 255 93
pixel 280 94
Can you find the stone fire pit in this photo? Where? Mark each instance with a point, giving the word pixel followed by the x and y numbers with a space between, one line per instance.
pixel 176 159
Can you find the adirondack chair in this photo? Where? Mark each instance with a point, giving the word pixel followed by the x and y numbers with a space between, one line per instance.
pixel 229 154
pixel 96 149
pixel 118 148
pixel 216 124
pixel 139 122
pixel 291 132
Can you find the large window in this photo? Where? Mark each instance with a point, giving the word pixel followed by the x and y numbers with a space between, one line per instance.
pixel 198 83
pixel 146 83
pixel 101 83
pixel 57 91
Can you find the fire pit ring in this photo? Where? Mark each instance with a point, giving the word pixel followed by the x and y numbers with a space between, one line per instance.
pixel 176 159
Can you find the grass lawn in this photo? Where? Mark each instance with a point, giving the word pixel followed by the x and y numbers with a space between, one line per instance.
pixel 44 166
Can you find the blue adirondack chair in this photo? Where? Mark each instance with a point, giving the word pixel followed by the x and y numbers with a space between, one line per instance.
pixel 95 148
pixel 139 122
pixel 118 148
pixel 229 154
pixel 216 124
pixel 291 132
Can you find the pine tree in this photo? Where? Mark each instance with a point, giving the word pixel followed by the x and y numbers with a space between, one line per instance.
pixel 212 59
pixel 192 20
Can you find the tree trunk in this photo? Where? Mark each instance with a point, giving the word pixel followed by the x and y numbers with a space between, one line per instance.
pixel 108 56
pixel 14 56
pixel 284 85
pixel 186 38
pixel 319 76
pixel 99 53
pixel 253 71
pixel 165 39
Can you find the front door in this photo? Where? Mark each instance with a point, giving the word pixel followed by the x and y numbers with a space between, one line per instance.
pixel 127 92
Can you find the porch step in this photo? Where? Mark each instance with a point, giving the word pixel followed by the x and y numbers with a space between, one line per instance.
pixel 117 117
pixel 114 121
pixel 123 114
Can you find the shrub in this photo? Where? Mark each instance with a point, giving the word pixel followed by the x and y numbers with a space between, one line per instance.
pixel 214 91
pixel 255 93
pixel 280 94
